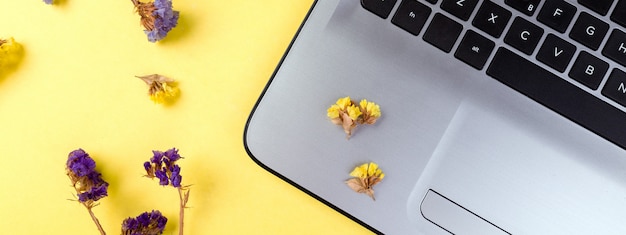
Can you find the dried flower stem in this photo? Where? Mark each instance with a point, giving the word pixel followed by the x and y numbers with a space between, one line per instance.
pixel 184 197
pixel 95 220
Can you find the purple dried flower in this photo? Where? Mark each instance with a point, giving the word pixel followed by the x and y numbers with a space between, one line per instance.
pixel 89 185
pixel 157 17
pixel 172 154
pixel 147 223
pixel 176 177
pixel 49 2
pixel 162 176
pixel 94 194
pixel 79 163
pixel 163 166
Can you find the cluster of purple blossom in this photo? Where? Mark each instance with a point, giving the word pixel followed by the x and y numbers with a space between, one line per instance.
pixel 148 223
pixel 89 185
pixel 163 166
pixel 165 19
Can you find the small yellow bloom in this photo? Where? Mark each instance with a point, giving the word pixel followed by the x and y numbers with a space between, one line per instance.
pixel 161 88
pixel 370 107
pixel 333 111
pixel 9 51
pixel 165 93
pixel 354 112
pixel 371 112
pixel 347 114
pixel 344 102
pixel 365 177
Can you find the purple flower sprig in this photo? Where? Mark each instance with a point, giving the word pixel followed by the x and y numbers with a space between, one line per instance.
pixel 88 183
pixel 49 2
pixel 163 166
pixel 147 223
pixel 158 18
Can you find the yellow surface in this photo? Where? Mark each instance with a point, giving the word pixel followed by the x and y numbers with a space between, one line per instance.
pixel 75 88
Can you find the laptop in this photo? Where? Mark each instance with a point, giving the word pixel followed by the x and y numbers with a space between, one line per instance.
pixel 497 116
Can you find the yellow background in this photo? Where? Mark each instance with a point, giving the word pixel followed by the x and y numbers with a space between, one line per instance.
pixel 75 88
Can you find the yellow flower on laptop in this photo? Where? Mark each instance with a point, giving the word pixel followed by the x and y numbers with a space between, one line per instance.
pixel 365 177
pixel 371 112
pixel 347 114
pixel 161 89
pixel 344 113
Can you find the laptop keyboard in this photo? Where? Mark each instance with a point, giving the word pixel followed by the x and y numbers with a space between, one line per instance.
pixel 568 58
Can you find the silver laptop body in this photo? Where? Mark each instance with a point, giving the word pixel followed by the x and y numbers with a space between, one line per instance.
pixel 466 148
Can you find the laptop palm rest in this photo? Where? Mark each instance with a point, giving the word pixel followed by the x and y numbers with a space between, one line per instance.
pixel 524 169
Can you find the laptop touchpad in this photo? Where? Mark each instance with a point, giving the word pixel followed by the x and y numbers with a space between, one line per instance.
pixel 453 218
pixel 523 168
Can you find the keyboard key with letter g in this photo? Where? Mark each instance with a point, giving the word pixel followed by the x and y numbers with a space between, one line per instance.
pixel 589 30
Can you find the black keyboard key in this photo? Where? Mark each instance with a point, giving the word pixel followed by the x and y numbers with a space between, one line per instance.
pixel 381 8
pixel 557 14
pixel 459 8
pixel 442 32
pixel 615 87
pixel 588 70
pixel 527 7
pixel 589 30
pixel 474 49
pixel 615 47
pixel 432 1
pixel 556 52
pixel 411 16
pixel 523 35
pixel 559 95
pixel 491 18
pixel 599 6
pixel 619 14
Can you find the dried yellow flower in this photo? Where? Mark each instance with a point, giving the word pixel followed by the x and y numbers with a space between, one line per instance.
pixel 161 88
pixel 346 114
pixel 371 112
pixel 9 51
pixel 365 177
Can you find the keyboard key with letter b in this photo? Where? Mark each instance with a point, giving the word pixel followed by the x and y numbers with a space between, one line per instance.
pixel 588 70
